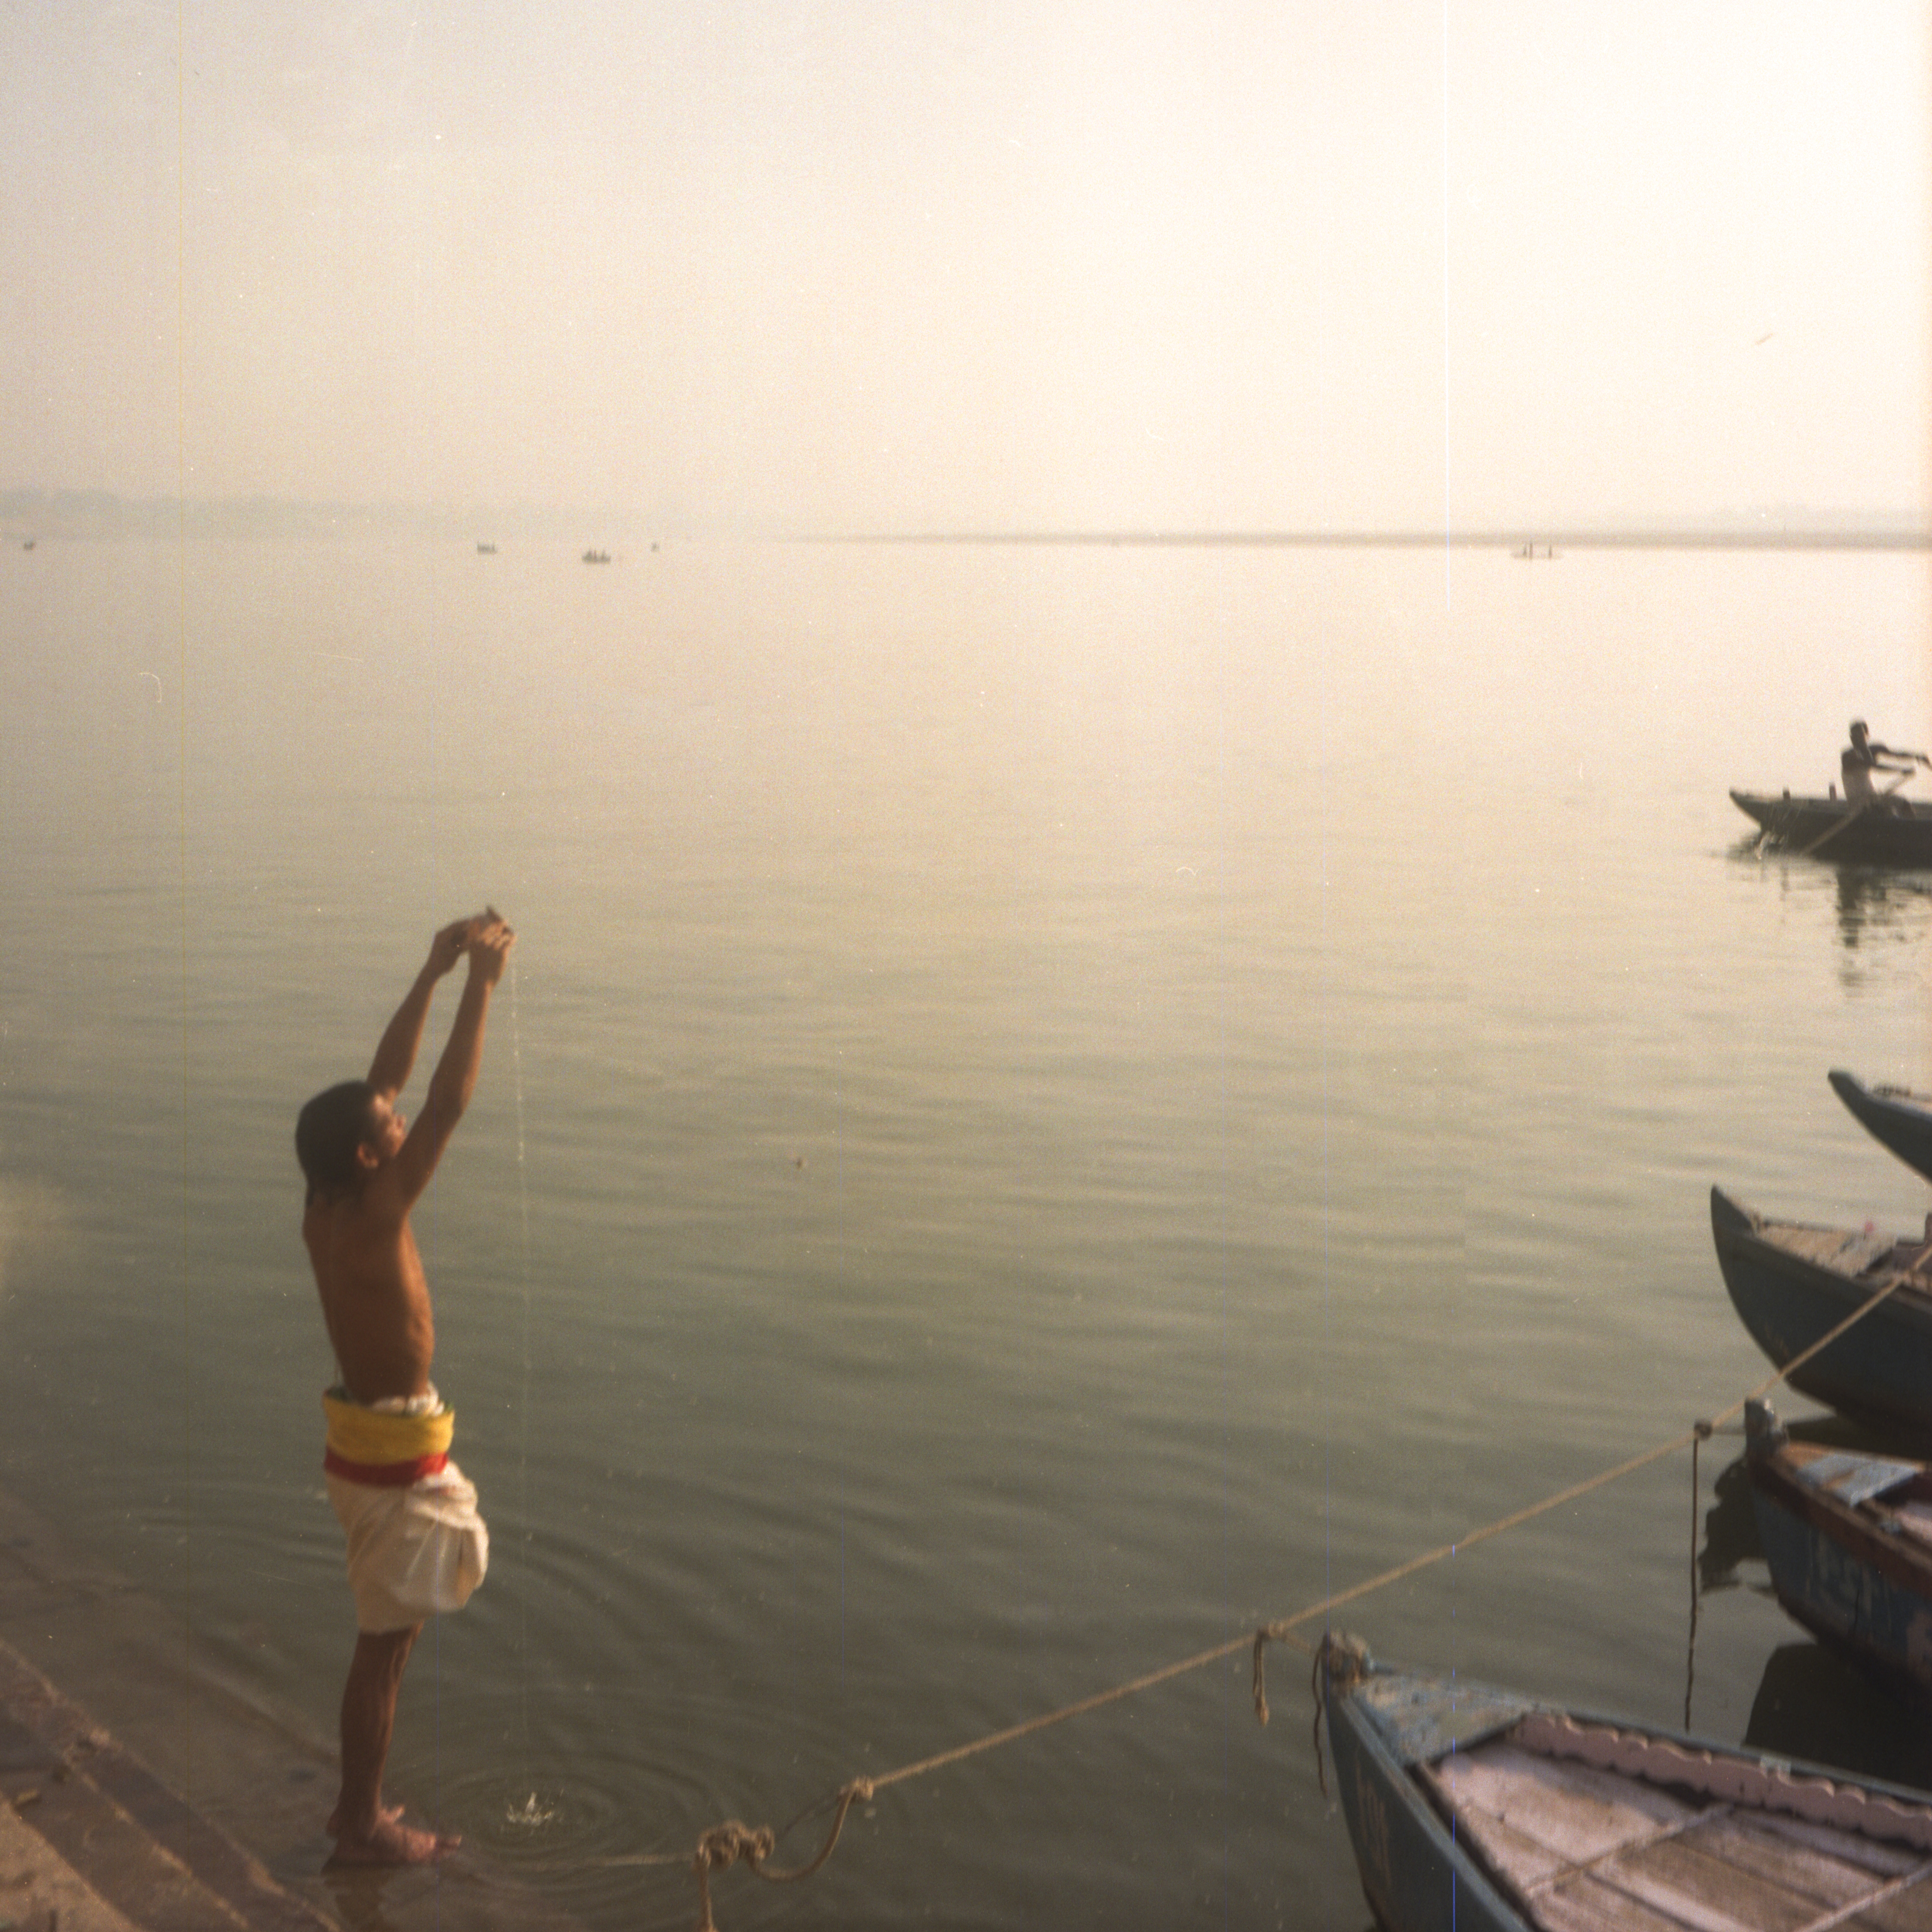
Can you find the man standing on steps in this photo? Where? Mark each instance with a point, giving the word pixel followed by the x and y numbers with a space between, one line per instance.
pixel 416 1545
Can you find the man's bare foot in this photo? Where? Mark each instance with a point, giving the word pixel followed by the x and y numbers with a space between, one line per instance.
pixel 394 1844
pixel 385 1814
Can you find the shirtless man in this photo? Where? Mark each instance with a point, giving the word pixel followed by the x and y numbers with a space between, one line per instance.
pixel 416 1545
pixel 1861 761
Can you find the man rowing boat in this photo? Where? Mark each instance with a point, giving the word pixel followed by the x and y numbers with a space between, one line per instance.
pixel 416 1545
pixel 1861 758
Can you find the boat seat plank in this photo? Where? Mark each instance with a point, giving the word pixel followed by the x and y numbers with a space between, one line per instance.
pixel 1525 1862
pixel 1909 1910
pixel 1877 1855
pixel 1573 1809
pixel 1849 1253
pixel 1639 1858
pixel 1852 1477
pixel 1587 1904
pixel 1685 1878
pixel 1827 1875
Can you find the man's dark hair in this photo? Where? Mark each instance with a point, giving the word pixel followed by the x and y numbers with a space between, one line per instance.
pixel 328 1132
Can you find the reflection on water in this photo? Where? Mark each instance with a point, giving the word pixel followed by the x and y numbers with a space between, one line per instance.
pixel 1874 905
pixel 1877 905
pixel 1812 1704
pixel 1730 1532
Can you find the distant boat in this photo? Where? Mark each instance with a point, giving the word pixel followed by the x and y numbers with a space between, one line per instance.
pixel 28 544
pixel 1485 1811
pixel 597 557
pixel 1529 551
pixel 1848 1537
pixel 1791 1283
pixel 1887 830
pixel 486 549
pixel 1894 1117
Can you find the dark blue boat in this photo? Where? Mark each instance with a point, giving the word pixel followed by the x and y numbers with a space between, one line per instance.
pixel 1894 1117
pixel 1792 1282
pixel 1477 1810
pixel 1848 1535
pixel 1884 831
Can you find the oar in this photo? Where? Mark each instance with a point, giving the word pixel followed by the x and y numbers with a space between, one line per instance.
pixel 1858 811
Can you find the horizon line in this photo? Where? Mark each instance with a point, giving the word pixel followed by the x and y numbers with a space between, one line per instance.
pixel 1661 536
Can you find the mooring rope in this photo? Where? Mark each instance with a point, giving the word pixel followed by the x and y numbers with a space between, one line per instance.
pixel 1703 1429
pixel 724 1845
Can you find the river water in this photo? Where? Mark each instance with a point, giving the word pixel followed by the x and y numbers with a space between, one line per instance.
pixel 1054 1102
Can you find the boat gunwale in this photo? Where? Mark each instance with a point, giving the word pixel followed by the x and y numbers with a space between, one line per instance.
pixel 1898 1119
pixel 1346 1713
pixel 1419 1789
pixel 1913 1296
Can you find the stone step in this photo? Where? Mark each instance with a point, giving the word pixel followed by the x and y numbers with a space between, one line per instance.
pixel 107 1715
pixel 115 1830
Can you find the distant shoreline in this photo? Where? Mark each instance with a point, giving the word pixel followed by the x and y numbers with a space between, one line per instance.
pixel 28 515
pixel 1512 540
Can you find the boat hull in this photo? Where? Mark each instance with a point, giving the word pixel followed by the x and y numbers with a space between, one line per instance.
pixel 1879 1372
pixel 1471 1807
pixel 1857 1574
pixel 1894 1118
pixel 1892 831
pixel 1414 1875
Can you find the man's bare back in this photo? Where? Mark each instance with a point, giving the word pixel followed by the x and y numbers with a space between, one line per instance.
pixel 375 1296
pixel 367 1168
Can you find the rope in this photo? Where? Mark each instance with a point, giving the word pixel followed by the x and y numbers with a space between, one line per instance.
pixel 1690 1653
pixel 724 1845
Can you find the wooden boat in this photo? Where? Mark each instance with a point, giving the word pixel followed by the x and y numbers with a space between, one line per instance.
pixel 1884 831
pixel 1893 1117
pixel 1848 1535
pixel 1791 1283
pixel 1475 1810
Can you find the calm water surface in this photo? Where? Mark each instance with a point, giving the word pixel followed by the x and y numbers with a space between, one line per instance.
pixel 1053 1104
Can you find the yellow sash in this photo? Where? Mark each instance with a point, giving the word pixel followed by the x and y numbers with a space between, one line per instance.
pixel 359 1435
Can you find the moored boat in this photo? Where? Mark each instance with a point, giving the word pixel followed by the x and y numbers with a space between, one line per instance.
pixel 1477 1810
pixel 1887 830
pixel 1893 1117
pixel 1848 1536
pixel 1792 1282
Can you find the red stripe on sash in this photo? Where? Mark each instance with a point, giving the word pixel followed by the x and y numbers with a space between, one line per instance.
pixel 384 1475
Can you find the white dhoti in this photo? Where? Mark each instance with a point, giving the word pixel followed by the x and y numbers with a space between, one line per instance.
pixel 417 1547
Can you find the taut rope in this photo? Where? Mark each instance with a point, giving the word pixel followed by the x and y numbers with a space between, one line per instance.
pixel 724 1845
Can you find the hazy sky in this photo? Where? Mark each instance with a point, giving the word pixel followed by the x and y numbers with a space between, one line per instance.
pixel 929 264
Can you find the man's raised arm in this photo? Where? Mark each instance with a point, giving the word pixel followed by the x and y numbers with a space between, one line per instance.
pixel 389 1071
pixel 488 945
